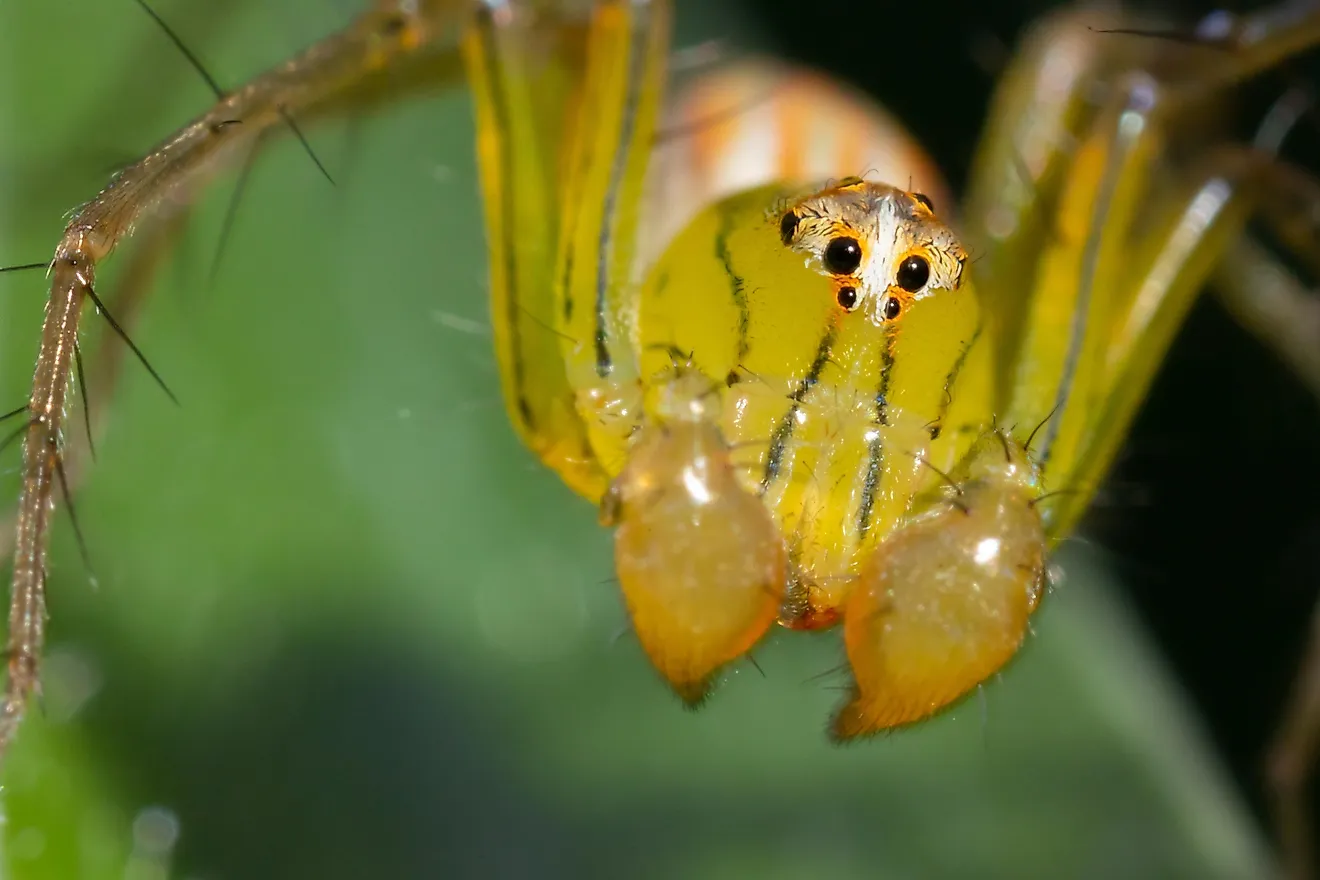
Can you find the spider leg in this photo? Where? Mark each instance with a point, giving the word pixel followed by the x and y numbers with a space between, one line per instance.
pixel 1078 196
pixel 1292 760
pixel 1271 302
pixel 152 188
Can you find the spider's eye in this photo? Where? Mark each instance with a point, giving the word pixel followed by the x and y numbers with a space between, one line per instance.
pixel 847 297
pixel 787 226
pixel 913 273
pixel 842 256
pixel 925 200
pixel 892 308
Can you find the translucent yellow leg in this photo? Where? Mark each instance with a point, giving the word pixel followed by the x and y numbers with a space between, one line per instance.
pixel 605 171
pixel 524 72
pixel 1124 261
pixel 1068 75
pixel 566 113
pixel 1121 252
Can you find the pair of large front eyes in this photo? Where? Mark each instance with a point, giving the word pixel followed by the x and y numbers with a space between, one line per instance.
pixel 843 255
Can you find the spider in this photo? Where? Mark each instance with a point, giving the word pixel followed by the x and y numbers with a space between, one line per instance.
pixel 813 404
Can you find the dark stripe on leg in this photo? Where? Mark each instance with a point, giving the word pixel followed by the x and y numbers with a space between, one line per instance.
pixel 508 241
pixel 636 70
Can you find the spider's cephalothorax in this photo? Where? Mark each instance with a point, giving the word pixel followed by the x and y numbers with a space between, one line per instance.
pixel 846 336
pixel 844 367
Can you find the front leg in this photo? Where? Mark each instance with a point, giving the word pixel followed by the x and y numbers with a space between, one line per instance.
pixel 152 190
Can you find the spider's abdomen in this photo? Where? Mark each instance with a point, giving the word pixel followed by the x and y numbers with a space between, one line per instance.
pixel 761 121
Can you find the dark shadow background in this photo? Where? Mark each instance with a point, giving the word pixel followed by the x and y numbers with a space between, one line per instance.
pixel 1223 456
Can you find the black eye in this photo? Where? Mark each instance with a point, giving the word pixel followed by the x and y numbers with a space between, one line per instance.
pixel 925 200
pixel 892 308
pixel 913 273
pixel 847 297
pixel 787 226
pixel 842 256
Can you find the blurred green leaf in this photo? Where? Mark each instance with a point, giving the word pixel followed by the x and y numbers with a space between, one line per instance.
pixel 64 819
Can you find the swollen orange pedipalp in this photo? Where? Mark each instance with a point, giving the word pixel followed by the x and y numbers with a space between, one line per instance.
pixel 944 602
pixel 700 561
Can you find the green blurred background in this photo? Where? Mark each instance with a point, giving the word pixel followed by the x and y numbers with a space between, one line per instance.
pixel 345 626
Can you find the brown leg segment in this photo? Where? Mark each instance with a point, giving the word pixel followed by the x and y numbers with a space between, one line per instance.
pixel 152 189
pixel 1292 761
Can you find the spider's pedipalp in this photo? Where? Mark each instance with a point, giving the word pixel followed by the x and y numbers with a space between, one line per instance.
pixel 700 561
pixel 943 603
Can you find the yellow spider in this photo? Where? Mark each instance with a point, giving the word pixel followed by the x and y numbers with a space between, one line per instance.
pixel 798 396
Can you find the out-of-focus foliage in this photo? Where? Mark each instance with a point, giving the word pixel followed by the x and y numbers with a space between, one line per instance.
pixel 345 626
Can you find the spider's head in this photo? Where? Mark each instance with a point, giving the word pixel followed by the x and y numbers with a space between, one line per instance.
pixel 884 247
